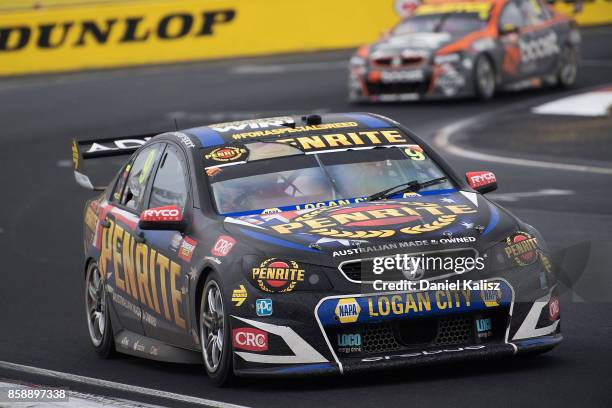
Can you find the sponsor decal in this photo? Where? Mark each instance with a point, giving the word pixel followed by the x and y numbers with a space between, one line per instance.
pixel 406 8
pixel 263 307
pixel 275 275
pixel 480 8
pixel 281 131
pixel 491 297
pixel 250 339
pixel 138 346
pixel 539 48
pixel 414 303
pixel 226 154
pixel 185 140
pixel 484 327
pixel 347 140
pixel 271 211
pixel 376 220
pixel 347 310
pixel 349 342
pixel 424 353
pixel 142 273
pixel 554 308
pixel 91 219
pixel 186 249
pixel 239 296
pixel 252 124
pixel 167 213
pixel 478 179
pixel 522 248
pixel 223 246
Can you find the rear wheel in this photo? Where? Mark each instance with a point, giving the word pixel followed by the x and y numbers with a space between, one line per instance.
pixel 215 333
pixel 96 307
pixel 568 70
pixel 484 78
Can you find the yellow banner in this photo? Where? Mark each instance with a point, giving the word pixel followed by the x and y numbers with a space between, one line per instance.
pixel 593 12
pixel 111 34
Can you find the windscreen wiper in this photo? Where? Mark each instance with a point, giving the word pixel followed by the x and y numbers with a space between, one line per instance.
pixel 413 185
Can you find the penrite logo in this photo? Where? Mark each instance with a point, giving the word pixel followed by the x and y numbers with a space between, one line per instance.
pixel 275 275
pixel 115 30
pixel 522 247
pixel 226 154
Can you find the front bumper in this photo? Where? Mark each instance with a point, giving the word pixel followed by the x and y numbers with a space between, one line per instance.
pixel 368 84
pixel 309 346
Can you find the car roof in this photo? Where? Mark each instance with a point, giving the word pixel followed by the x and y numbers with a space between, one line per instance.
pixel 275 128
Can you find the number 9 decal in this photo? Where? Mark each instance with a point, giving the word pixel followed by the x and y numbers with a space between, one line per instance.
pixel 415 152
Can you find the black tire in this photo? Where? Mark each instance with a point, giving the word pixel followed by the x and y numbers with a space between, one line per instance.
pixel 568 69
pixel 100 327
pixel 222 374
pixel 484 78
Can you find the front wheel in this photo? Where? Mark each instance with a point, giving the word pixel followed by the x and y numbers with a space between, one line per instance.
pixel 215 333
pixel 568 71
pixel 96 307
pixel 484 78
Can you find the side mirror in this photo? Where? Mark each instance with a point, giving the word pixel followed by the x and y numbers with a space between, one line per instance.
pixel 162 218
pixel 508 29
pixel 481 181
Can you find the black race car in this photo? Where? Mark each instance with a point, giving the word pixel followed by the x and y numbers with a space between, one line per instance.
pixel 462 48
pixel 255 247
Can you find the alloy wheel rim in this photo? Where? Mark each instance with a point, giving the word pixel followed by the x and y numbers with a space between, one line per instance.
pixel 485 78
pixel 212 327
pixel 95 305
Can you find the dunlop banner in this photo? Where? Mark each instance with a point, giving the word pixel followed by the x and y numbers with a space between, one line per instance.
pixel 588 12
pixel 150 32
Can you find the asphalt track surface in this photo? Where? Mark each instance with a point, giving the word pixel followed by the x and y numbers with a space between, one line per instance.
pixel 41 307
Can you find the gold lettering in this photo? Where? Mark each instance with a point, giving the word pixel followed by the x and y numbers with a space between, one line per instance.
pixel 152 279
pixel 128 265
pixel 142 272
pixel 175 271
pixel 163 264
pixel 117 235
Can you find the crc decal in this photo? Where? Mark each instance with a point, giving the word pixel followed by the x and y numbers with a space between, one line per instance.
pixel 226 154
pixel 522 248
pixel 185 251
pixel 141 272
pixel 274 275
pixel 376 220
pixel 223 246
pixel 347 310
pixel 239 295
pixel 247 338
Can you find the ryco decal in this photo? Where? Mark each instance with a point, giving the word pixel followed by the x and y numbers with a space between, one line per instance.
pixel 250 339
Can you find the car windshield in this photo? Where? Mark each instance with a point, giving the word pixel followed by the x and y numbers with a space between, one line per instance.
pixel 295 180
pixel 456 24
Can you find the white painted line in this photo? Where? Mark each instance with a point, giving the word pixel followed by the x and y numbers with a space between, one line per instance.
pixel 283 68
pixel 117 386
pixel 63 163
pixel 590 104
pixel 73 399
pixel 512 197
pixel 443 140
pixel 596 63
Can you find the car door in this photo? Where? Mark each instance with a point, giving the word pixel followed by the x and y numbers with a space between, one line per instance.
pixel 120 249
pixel 170 252
pixel 511 35
pixel 540 52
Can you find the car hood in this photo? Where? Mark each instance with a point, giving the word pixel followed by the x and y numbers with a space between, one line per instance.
pixel 434 220
pixel 415 41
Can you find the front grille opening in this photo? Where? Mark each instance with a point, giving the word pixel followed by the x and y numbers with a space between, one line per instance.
pixel 379 338
pixel 417 332
pixel 454 330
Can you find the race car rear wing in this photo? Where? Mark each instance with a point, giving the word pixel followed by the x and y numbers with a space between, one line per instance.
pixel 90 149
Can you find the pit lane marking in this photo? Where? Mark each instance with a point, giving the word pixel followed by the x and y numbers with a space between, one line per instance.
pixel 116 386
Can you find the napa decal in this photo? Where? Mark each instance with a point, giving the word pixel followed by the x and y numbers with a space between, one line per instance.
pixel 142 274
pixel 385 307
pixel 376 220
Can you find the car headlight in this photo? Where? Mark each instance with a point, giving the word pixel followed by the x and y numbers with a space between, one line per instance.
pixel 283 275
pixel 357 61
pixel 447 58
